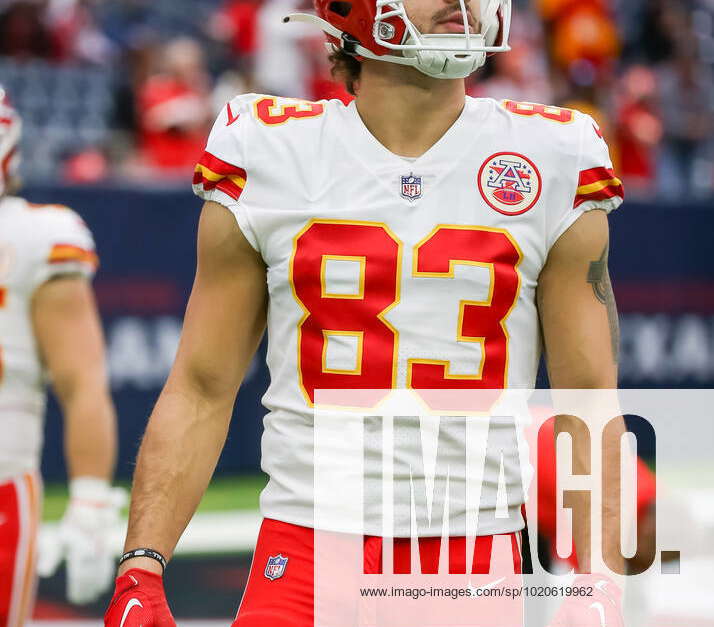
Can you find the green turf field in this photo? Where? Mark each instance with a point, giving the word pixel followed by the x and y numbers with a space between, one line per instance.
pixel 224 494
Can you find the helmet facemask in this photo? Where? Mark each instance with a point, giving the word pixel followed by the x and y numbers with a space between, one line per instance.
pixel 447 55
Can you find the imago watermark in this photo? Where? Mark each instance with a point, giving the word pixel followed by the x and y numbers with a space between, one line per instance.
pixel 525 505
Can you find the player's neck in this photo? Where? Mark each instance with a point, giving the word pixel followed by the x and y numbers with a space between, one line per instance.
pixel 405 110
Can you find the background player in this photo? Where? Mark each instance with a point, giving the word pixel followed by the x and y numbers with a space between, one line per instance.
pixel 49 327
pixel 413 167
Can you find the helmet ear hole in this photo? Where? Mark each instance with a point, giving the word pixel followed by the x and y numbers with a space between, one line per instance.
pixel 340 7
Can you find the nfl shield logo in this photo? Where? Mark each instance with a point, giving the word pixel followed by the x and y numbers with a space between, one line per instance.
pixel 411 187
pixel 275 568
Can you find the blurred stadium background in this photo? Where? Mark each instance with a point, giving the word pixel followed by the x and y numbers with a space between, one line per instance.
pixel 117 97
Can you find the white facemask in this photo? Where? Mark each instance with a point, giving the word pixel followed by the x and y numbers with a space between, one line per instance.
pixel 449 55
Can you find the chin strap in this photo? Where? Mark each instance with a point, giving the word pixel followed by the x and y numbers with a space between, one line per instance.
pixel 349 45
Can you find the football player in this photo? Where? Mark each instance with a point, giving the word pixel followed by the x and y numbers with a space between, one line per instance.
pixel 49 330
pixel 341 229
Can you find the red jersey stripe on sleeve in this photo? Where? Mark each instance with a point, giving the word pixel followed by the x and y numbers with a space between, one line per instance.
pixel 63 253
pixel 214 173
pixel 594 175
pixel 598 184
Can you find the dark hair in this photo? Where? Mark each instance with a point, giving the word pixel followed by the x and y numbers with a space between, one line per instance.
pixel 346 68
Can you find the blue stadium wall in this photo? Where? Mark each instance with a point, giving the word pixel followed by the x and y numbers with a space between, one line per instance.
pixel 662 264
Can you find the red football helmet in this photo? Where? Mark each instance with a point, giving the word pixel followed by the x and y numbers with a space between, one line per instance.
pixel 10 132
pixel 381 30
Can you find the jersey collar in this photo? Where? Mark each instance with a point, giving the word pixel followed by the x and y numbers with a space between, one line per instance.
pixel 435 163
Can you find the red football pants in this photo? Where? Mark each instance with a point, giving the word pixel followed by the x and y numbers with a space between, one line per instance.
pixel 284 595
pixel 20 501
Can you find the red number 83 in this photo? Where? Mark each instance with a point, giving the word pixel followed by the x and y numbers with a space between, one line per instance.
pixel 362 315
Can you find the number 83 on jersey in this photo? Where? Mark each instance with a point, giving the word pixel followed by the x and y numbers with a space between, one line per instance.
pixel 376 253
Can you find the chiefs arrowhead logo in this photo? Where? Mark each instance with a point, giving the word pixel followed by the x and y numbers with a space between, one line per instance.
pixel 232 119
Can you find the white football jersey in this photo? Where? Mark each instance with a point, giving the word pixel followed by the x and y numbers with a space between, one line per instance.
pixel 387 272
pixel 37 243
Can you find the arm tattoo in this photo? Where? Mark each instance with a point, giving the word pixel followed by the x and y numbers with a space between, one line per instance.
pixel 599 278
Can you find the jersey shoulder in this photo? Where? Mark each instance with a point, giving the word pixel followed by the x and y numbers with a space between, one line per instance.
pixel 58 223
pixel 575 147
pixel 567 130
pixel 61 240
pixel 264 115
pixel 251 137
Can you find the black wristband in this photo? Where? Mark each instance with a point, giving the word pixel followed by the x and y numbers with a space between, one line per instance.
pixel 150 553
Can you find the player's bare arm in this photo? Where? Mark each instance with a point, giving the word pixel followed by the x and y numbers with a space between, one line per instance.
pixel 577 308
pixel 71 344
pixel 224 322
pixel 579 322
pixel 69 334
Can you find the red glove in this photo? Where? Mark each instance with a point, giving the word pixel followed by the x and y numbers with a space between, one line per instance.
pixel 603 608
pixel 139 600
